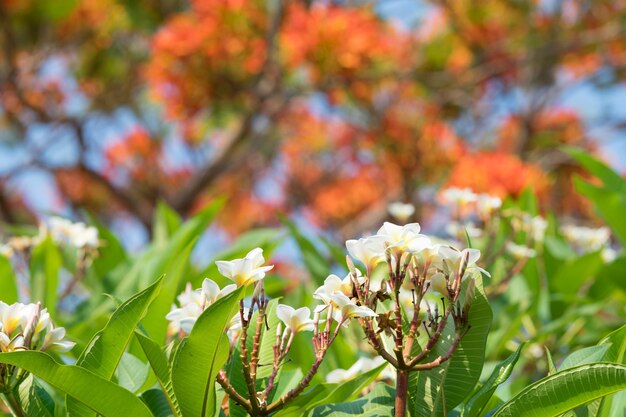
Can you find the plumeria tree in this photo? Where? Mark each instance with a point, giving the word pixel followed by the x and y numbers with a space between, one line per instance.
pixel 118 105
pixel 493 312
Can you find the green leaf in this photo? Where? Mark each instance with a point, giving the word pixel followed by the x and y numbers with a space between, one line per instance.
pixel 584 356
pixel 566 390
pixel 95 392
pixel 44 274
pixel 478 401
pixel 328 393
pixel 378 403
pixel 111 253
pixel 131 372
pixel 157 402
pixel 457 377
pixel 34 399
pixel 8 282
pixel 315 262
pixel 105 350
pixel 155 260
pixel 574 273
pixel 608 406
pixel 551 367
pixel 288 380
pixel 201 355
pixel 166 222
pixel 608 204
pixel 266 357
pixel 155 323
pixel 159 363
pixel 608 176
pixel 617 346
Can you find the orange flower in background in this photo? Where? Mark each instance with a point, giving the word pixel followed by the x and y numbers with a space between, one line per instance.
pixel 243 209
pixel 208 55
pixel 497 173
pixel 328 169
pixel 415 141
pixel 346 198
pixel 345 44
pixel 81 190
pixel 550 128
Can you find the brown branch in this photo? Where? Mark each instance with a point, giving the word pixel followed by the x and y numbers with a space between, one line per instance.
pixel 266 88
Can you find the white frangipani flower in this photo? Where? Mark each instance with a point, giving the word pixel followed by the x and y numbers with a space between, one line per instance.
pixel 247 270
pixel 6 251
pixel 347 309
pixel 211 291
pixel 402 237
pixel 458 230
pixel 28 327
pixel 295 320
pixel 370 251
pixel 359 367
pixel 401 211
pixel 451 259
pixel 193 303
pixel 487 204
pixel 333 284
pixel 77 234
pixel 54 341
pixel 459 196
pixel 520 251
pixel 14 316
pixel 11 345
pixel 608 254
pixel 535 226
pixel 439 283
pixel 586 239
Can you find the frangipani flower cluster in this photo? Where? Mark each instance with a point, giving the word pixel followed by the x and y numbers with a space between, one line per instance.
pixel 465 201
pixel 586 239
pixel 192 303
pixel 62 231
pixel 78 234
pixel 393 241
pixel 471 212
pixel 520 252
pixel 416 264
pixel 247 270
pixel 29 327
pixel 401 211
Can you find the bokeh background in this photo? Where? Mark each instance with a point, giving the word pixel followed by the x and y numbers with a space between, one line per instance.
pixel 323 111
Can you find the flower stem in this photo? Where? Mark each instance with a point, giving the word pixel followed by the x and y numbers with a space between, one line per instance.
pixel 402 391
pixel 14 406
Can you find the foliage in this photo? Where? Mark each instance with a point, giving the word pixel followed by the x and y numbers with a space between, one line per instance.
pixel 252 92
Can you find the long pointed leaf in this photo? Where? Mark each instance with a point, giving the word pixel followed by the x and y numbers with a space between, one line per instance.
pixel 501 373
pixel 160 366
pixel 433 393
pixel 105 350
pixel 100 395
pixel 8 283
pixel 200 357
pixel 566 390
